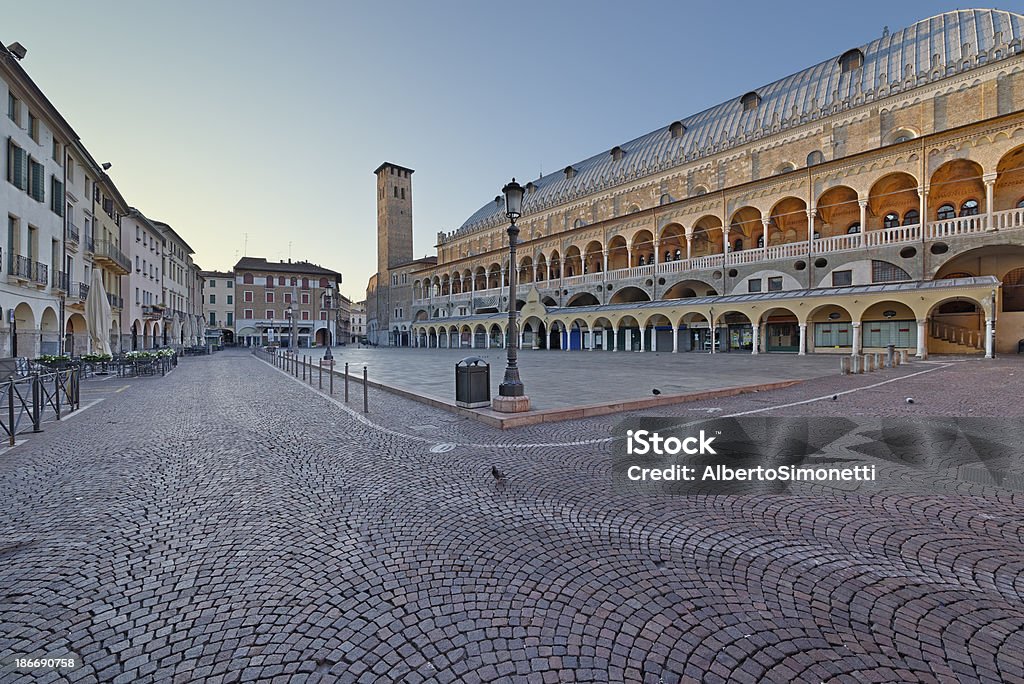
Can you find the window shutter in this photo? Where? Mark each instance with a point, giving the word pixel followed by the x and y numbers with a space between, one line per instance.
pixel 37 191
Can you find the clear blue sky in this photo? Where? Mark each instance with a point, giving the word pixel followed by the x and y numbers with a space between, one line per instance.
pixel 267 118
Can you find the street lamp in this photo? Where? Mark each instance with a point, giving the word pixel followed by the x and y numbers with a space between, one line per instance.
pixel 511 393
pixel 288 314
pixel 328 302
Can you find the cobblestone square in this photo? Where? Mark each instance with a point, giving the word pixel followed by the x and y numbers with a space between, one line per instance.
pixel 199 527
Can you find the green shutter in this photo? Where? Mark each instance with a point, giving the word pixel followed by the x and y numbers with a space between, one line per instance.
pixel 22 170
pixel 38 178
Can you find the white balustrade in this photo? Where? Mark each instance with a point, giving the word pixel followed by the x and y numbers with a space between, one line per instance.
pixel 964 225
pixel 1009 219
pixel 837 243
pixel 892 236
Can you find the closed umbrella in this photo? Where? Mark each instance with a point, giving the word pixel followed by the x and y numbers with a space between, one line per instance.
pixel 188 331
pixel 176 330
pixel 98 317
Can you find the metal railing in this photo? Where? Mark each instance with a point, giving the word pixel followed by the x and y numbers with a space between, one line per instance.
pixel 60 281
pixel 72 235
pixel 90 243
pixel 114 300
pixel 305 367
pixel 26 402
pixel 78 291
pixel 40 273
pixel 107 249
pixel 20 267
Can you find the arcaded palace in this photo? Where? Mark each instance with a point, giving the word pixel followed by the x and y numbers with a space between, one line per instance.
pixel 875 198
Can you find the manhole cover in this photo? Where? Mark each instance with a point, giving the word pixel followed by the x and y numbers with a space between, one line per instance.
pixel 441 448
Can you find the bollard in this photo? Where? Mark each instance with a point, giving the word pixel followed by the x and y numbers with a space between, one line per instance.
pixel 330 380
pixel 10 408
pixel 320 376
pixel 890 353
pixel 309 362
pixel 346 382
pixel 37 401
pixel 855 365
pixel 56 390
pixel 904 356
pixel 303 368
pixel 844 365
pixel 366 408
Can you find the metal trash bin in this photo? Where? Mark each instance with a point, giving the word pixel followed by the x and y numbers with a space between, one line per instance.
pixel 1020 347
pixel 472 382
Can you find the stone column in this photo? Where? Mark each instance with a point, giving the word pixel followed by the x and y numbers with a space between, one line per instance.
pixel 922 207
pixel 863 203
pixel 856 337
pixel 568 339
pixel 922 339
pixel 689 246
pixel 726 247
pixel 629 256
pixel 604 254
pixel 657 254
pixel 472 339
pixel 990 183
pixel 803 340
pixel 654 338
pixel 642 345
pixel 487 340
pixel 675 338
pixel 505 343
pixel 765 222
pixel 589 346
pixel 988 338
pixel 615 338
pixel 756 335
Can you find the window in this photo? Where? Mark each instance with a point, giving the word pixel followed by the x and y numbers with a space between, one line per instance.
pixel 35 180
pixel 230 299
pixel 247 279
pixel 760 241
pixel 270 298
pixel 883 333
pixel 569 172
pixel 13 108
pixel 324 282
pixel 270 281
pixel 305 283
pixel 775 284
pixel 287 297
pixel 56 196
pixel 750 101
pixel 247 313
pixel 247 296
pixel 946 211
pixel 912 217
pixel 323 315
pixel 396 192
pixel 737 246
pixel 676 129
pixel 851 61
pixel 33 127
pixel 884 272
pixel 833 334
pixel 231 284
pixel 211 283
pixel 213 318
pixel 853 229
pixel 617 153
pixel 754 285
pixel 230 319
pixel 891 220
pixel 17 166
pixel 842 278
pixel 305 315
pixel 55 154
pixel 403 193
pixel 305 298
pixel 815 158
pixel 270 314
pixel 903 135
pixel 969 208
pixel 1020 203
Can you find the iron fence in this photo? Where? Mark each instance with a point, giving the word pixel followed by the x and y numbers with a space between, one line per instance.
pixel 27 402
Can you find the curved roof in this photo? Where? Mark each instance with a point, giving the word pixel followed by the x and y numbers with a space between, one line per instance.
pixel 931 49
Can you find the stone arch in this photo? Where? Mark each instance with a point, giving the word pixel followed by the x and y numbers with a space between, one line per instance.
pixel 830 328
pixel 1009 188
pixel 26 334
pixel 76 335
pixel 707 238
pixel 593 257
pixel 534 333
pixel 628 337
pixel 629 293
pixel 838 210
pixel 541 269
pixel 779 327
pixel 642 248
pixel 744 229
pixel 893 195
pixel 49 332
pixel 573 262
pixel 583 299
pixel 672 243
pixel 555 263
pixel 526 270
pixel 952 187
pixel 787 223
pixel 687 288
pixel 618 253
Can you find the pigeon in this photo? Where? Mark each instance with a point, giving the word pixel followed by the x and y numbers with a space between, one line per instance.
pixel 835 397
pixel 655 391
pixel 497 474
pixel 910 400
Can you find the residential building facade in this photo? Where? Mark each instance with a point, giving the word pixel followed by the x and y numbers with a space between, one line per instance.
pixel 357 324
pixel 285 303
pixel 218 295
pixel 874 199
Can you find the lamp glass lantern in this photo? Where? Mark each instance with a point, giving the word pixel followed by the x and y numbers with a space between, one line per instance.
pixel 513 200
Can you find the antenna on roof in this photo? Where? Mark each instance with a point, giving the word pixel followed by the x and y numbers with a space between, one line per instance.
pixel 245 245
pixel 541 170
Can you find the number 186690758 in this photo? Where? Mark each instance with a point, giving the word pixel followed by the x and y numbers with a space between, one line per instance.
pixel 49 663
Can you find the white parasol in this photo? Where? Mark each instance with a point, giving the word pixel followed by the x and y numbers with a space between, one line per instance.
pixel 98 317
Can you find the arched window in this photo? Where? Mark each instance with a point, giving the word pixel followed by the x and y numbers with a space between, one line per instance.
pixel 324 282
pixel 270 281
pixel 891 220
pixel 676 129
pixel 280 280
pixel 641 260
pixel 737 245
pixel 618 153
pixel 247 278
pixel 760 241
pixel 750 101
pixel 853 229
pixel 946 211
pixel 295 281
pixel 665 199
pixel 969 208
pixel 1020 203
pixel 817 235
pixel 851 60
pixel 902 135
pixel 784 167
pixel 668 256
pixel 677 254
pixel 912 217
pixel 701 190
pixel 578 223
pixel 814 158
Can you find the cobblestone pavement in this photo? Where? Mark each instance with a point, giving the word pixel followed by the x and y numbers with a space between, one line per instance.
pixel 226 523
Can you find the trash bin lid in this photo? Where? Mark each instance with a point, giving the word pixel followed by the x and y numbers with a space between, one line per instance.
pixel 472 361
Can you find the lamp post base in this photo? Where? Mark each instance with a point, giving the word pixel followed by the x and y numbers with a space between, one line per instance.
pixel 510 404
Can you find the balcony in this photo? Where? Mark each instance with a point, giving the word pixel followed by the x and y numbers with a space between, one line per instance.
pixel 19 268
pixel 60 281
pixel 71 236
pixel 40 274
pixel 115 301
pixel 108 255
pixel 78 291
pixel 90 243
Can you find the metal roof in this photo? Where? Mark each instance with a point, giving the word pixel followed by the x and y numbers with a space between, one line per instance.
pixel 725 300
pixel 931 49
